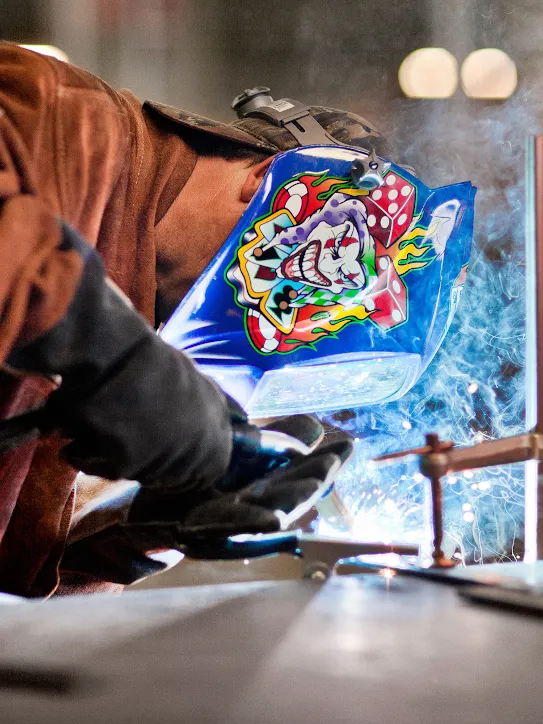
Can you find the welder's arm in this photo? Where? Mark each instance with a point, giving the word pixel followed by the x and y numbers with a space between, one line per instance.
pixel 133 406
pixel 136 408
pixel 47 107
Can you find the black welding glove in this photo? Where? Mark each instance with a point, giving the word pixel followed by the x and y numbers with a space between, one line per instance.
pixel 259 450
pixel 134 407
pixel 200 523
pixel 306 428
pixel 269 503
pixel 283 484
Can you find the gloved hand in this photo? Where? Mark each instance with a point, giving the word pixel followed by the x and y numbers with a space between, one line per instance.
pixel 259 450
pixel 267 493
pixel 199 522
pixel 120 553
pixel 307 429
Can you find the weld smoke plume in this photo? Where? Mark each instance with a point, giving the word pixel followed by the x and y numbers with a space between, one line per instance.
pixel 474 388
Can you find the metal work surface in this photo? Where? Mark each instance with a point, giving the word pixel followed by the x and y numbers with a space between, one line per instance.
pixel 357 649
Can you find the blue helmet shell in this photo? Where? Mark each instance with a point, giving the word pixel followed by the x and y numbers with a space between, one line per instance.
pixel 325 295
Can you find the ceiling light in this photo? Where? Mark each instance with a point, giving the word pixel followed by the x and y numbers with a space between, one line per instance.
pixel 489 73
pixel 48 50
pixel 429 73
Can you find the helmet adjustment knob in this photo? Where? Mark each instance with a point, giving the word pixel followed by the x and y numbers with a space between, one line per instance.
pixel 251 99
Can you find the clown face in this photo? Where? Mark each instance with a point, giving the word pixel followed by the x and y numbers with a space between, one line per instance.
pixel 326 259
pixel 329 259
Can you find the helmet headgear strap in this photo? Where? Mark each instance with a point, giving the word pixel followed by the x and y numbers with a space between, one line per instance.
pixel 292 115
pixel 297 119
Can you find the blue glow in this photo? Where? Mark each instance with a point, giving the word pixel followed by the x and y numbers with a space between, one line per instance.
pixel 474 389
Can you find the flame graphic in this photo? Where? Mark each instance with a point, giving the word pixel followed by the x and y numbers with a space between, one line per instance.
pixel 408 253
pixel 330 321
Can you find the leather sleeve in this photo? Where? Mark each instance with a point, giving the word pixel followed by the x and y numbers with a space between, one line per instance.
pixel 41 179
pixel 114 556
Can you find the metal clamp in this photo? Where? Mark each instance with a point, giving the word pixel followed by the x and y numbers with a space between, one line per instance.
pixel 439 458
pixel 320 555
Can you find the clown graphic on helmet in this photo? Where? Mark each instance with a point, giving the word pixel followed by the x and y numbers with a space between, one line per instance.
pixel 326 255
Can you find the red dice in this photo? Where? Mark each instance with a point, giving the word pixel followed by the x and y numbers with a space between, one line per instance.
pixel 387 301
pixel 390 209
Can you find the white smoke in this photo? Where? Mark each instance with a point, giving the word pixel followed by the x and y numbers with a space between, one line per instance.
pixel 474 388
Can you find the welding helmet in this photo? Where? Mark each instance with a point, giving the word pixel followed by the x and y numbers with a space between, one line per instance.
pixel 337 285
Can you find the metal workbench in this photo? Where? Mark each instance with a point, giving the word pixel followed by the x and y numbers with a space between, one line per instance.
pixel 361 648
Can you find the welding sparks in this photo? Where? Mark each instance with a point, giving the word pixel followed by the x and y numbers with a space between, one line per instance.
pixel 387 573
pixel 474 388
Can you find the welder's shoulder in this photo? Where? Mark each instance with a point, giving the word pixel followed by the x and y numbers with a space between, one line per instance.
pixel 26 82
pixel 73 127
pixel 42 80
pixel 14 58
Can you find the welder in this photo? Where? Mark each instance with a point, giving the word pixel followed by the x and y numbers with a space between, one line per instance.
pixel 110 210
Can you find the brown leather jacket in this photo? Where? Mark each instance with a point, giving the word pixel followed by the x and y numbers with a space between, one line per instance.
pixel 72 147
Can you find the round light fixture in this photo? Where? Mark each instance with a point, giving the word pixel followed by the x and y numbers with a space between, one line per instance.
pixel 429 73
pixel 48 50
pixel 489 73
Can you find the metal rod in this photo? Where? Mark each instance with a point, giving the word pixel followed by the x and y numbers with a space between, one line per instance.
pixel 533 500
pixel 434 443
pixel 538 267
pixel 503 451
pixel 537 331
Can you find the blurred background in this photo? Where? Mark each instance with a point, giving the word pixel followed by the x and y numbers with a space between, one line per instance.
pixel 451 112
